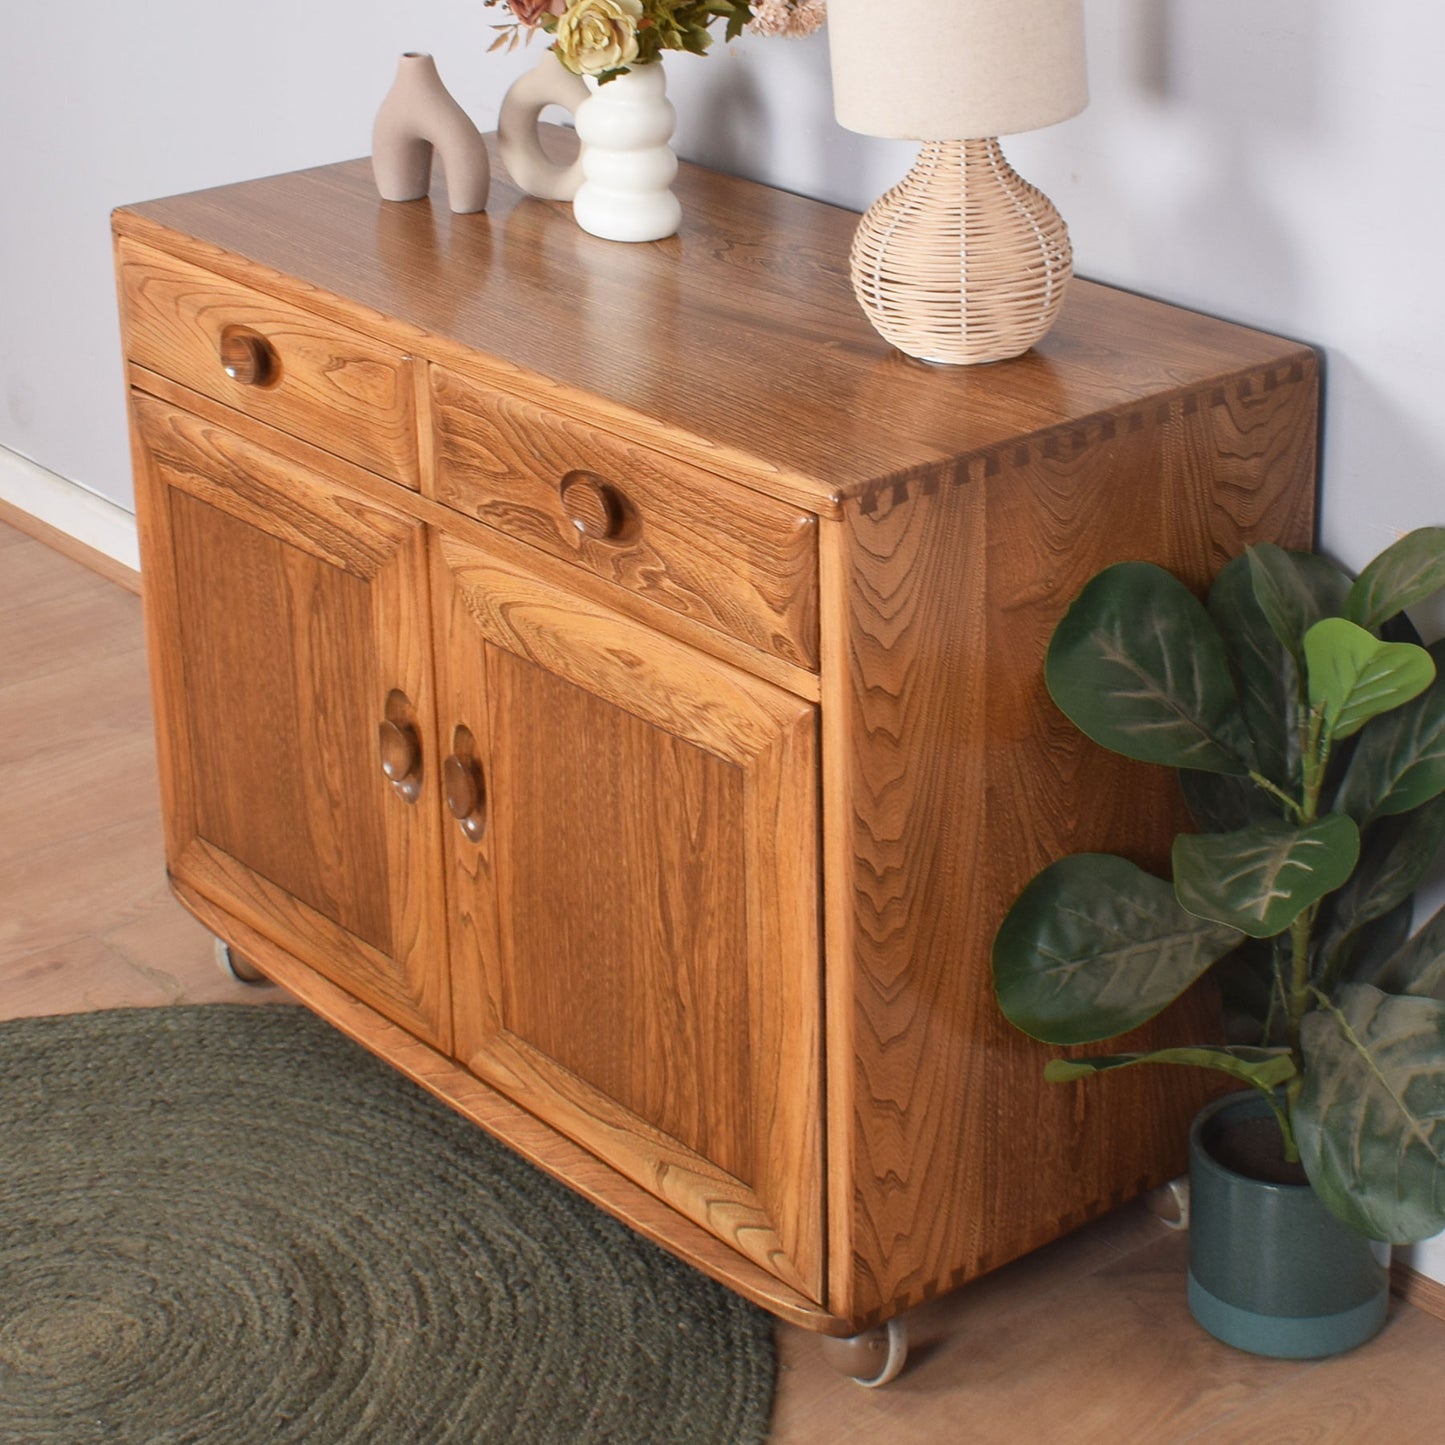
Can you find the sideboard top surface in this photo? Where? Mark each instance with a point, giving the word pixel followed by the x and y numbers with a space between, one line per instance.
pixel 739 336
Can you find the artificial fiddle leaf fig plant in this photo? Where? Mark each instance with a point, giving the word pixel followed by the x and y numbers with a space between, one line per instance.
pixel 1308 725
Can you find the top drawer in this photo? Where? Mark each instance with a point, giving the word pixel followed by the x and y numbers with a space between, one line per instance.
pixel 321 382
pixel 735 560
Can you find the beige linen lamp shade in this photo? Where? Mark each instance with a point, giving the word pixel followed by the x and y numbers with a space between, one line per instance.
pixel 956 69
pixel 963 261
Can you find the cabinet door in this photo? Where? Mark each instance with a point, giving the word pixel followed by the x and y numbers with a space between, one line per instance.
pixel 635 901
pixel 288 623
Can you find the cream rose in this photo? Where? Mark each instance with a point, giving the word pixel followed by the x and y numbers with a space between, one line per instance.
pixel 595 36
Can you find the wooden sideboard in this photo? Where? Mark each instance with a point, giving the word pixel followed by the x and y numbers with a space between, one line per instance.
pixel 606 681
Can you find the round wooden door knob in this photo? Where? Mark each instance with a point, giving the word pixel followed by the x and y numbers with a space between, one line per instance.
pixel 593 506
pixel 248 358
pixel 465 794
pixel 400 749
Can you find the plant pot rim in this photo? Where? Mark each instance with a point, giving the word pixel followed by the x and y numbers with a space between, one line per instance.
pixel 1199 1150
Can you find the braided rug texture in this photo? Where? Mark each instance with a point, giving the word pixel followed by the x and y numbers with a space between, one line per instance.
pixel 229 1224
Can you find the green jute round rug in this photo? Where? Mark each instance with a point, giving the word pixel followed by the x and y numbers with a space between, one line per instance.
pixel 228 1224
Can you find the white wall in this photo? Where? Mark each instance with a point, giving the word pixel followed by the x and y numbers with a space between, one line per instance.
pixel 1274 161
pixel 103 104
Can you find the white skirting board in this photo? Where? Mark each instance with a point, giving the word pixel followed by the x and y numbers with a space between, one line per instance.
pixel 89 518
pixel 1426 1259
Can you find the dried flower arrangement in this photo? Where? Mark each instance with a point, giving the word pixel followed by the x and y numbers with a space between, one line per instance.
pixel 603 38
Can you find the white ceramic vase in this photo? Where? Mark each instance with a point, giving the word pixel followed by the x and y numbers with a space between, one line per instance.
pixel 627 164
pixel 620 184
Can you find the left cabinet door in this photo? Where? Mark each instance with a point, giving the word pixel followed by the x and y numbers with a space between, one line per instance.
pixel 292 676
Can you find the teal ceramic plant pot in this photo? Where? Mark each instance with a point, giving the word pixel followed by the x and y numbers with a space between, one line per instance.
pixel 1271 1270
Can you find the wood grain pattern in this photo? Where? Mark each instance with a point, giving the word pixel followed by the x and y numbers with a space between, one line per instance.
pixel 636 907
pixel 624 855
pixel 264 745
pixel 958 780
pixel 560 573
pixel 345 391
pixel 694 543
pixel 800 398
pixel 1187 411
pixel 638 957
pixel 284 611
pixel 532 1138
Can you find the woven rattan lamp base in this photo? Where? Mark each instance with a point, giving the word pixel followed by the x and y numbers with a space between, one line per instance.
pixel 963 261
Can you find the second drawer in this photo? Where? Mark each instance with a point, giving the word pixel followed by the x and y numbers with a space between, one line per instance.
pixel 728 557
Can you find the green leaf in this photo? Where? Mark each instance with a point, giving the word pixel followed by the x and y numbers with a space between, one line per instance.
pixel 1261 878
pixel 1370 1117
pixel 1363 956
pixel 1354 677
pixel 1094 947
pixel 1264 672
pixel 738 17
pixel 1295 590
pixel 1223 802
pixel 1405 573
pixel 1399 628
pixel 1138 666
pixel 1395 854
pixel 1418 965
pixel 1248 979
pixel 1399 762
pixel 1264 1068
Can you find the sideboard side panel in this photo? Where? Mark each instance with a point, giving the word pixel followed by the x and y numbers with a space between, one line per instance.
pixel 950 778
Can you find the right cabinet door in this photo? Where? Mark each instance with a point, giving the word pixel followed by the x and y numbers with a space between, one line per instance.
pixel 634 873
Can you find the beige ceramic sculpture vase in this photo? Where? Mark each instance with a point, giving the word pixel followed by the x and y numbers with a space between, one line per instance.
pixel 419 116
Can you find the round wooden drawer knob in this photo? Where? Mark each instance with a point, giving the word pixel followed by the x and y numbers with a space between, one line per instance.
pixel 593 506
pixel 248 357
pixel 465 794
pixel 400 749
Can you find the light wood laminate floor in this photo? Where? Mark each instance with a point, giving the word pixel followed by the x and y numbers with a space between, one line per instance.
pixel 1086 1341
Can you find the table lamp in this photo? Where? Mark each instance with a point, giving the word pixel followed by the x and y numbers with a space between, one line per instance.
pixel 962 261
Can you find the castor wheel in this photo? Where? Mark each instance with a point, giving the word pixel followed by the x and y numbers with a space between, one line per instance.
pixel 236 965
pixel 1169 1203
pixel 873 1358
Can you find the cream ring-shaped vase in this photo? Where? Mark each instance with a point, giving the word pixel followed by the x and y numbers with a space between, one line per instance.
pixel 518 141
